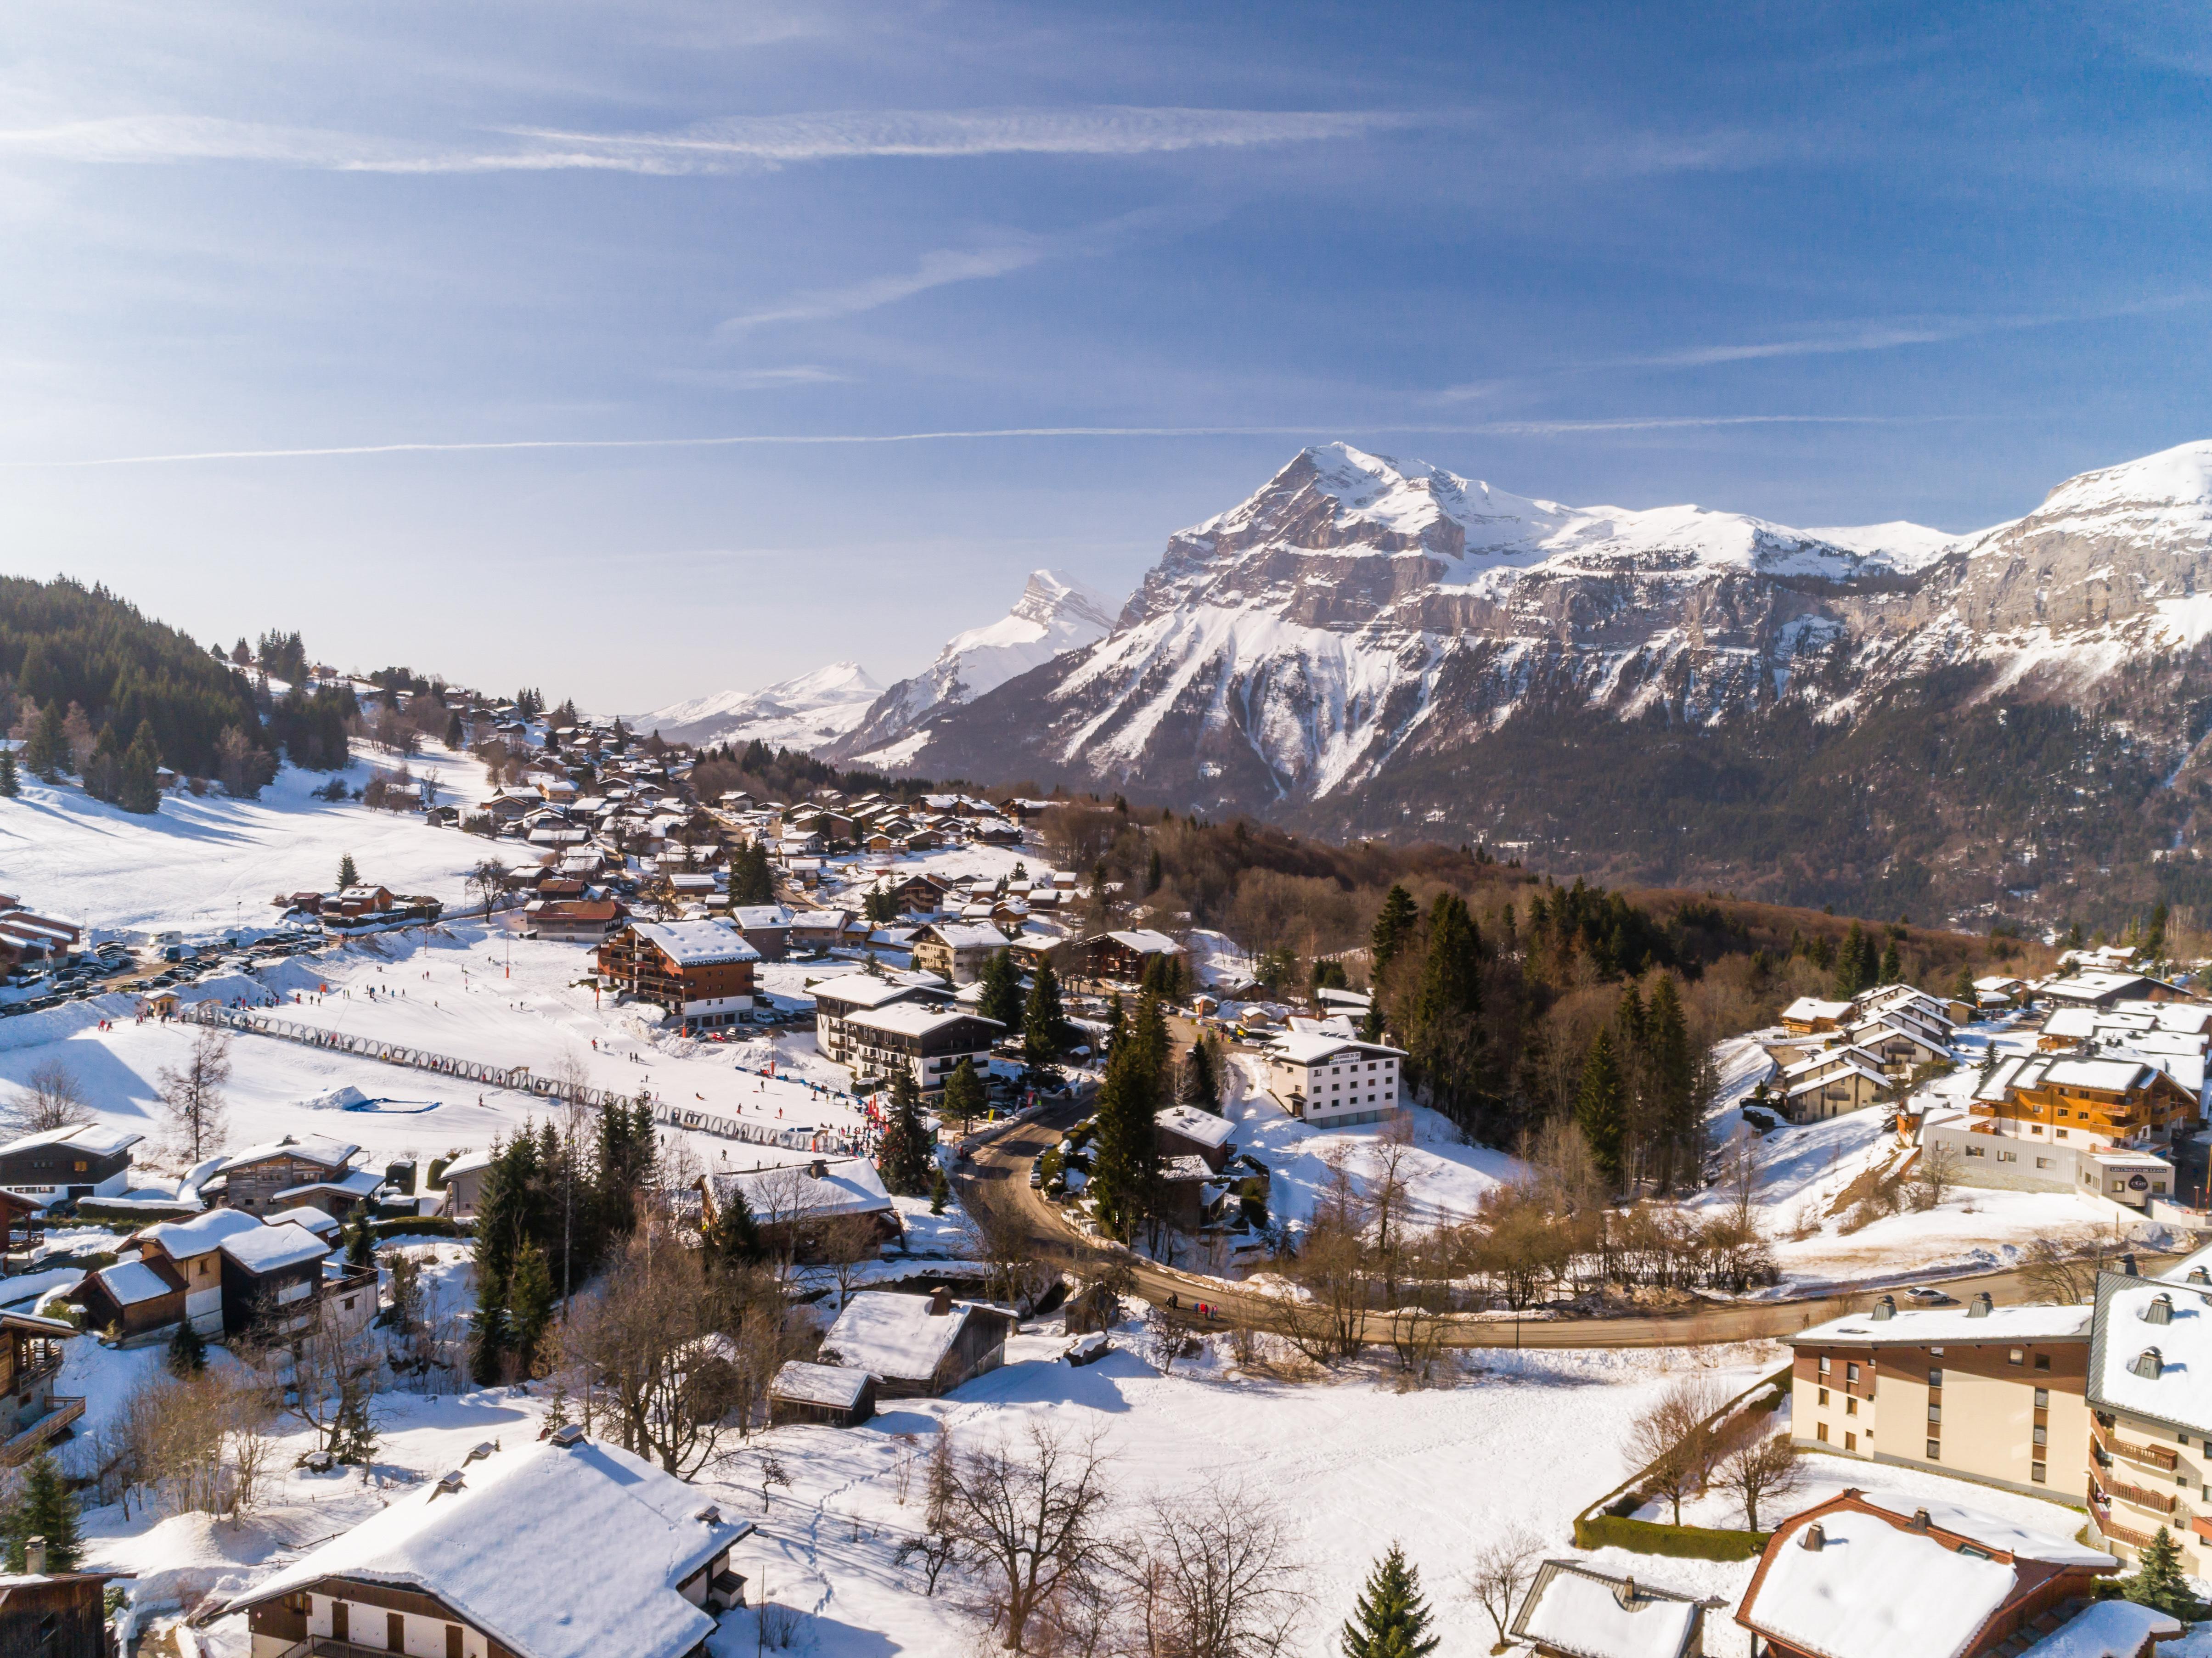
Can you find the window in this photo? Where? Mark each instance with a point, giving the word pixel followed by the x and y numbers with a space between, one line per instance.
pixel 2015 1357
pixel 1936 1376
pixel 1821 1432
pixel 1851 1372
pixel 1824 1364
pixel 1975 1151
pixel 1935 1450
pixel 1937 1352
pixel 2008 1157
pixel 2043 1399
pixel 1850 1404
pixel 1935 1412
pixel 2043 1360
pixel 2042 1163
pixel 1824 1396
pixel 1850 1442
pixel 2043 1436
pixel 2038 1472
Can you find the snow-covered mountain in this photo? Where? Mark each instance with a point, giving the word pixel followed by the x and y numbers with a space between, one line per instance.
pixel 1055 613
pixel 807 713
pixel 1363 642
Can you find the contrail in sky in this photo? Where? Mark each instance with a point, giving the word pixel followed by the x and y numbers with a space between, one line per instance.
pixel 1490 429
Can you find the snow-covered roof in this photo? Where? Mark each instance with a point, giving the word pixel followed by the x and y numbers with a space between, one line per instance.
pixel 319 1221
pixel 355 1183
pixel 1317 1050
pixel 270 1248
pixel 504 1552
pixel 1807 1009
pixel 861 990
pixel 467 1163
pixel 759 915
pixel 184 1239
pixel 1573 1609
pixel 917 1018
pixel 2113 1076
pixel 1831 1059
pixel 1956 1326
pixel 846 1187
pixel 819 1384
pixel 2123 1375
pixel 696 944
pixel 2108 1628
pixel 1195 1125
pixel 133 1281
pixel 1878 1588
pixel 895 1336
pixel 959 935
pixel 1145 941
pixel 1849 1067
pixel 310 1148
pixel 98 1138
pixel 2171 1016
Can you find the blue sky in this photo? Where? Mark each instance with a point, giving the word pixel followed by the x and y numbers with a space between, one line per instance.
pixel 1824 263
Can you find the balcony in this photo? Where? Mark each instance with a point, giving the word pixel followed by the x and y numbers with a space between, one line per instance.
pixel 28 1443
pixel 2143 1456
pixel 2155 1502
pixel 2119 1534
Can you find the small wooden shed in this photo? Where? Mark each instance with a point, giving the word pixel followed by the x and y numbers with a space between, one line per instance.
pixel 829 1395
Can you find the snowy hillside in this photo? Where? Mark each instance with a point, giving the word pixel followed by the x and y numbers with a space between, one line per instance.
pixel 806 712
pixel 1055 613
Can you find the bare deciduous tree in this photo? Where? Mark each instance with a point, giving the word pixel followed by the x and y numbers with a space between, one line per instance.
pixel 845 1244
pixel 51 1097
pixel 1672 1440
pixel 1934 1176
pixel 488 880
pixel 1032 1519
pixel 2063 1269
pixel 1501 1569
pixel 1757 1465
pixel 939 1543
pixel 192 1093
pixel 1215 1575
pixel 1005 1246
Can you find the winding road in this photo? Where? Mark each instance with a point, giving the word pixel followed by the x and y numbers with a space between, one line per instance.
pixel 997 1180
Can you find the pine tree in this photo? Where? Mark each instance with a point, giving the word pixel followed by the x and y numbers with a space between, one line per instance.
pixel 1672 1066
pixel 941 1193
pixel 1600 1107
pixel 348 875
pixel 905 1154
pixel 1044 1022
pixel 1002 991
pixel 1892 970
pixel 354 1434
pixel 138 788
pixel 46 1509
pixel 1200 1088
pixel 1445 1039
pixel 488 1343
pixel 1393 925
pixel 1853 965
pixel 187 1354
pixel 734 1239
pixel 11 785
pixel 2158 1581
pixel 1126 1170
pixel 47 752
pixel 1390 1619
pixel 1117 1021
pixel 964 1099
pixel 529 1305
pixel 360 1237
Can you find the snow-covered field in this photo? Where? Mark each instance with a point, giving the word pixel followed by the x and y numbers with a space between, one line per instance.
pixel 206 862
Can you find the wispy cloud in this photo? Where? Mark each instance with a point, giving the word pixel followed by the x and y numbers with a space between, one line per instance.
pixel 1845 338
pixel 1325 429
pixel 936 269
pixel 735 144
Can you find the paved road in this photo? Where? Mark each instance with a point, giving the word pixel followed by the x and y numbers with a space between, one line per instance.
pixel 998 1182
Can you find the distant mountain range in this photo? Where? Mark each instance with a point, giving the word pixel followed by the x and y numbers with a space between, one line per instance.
pixel 807 713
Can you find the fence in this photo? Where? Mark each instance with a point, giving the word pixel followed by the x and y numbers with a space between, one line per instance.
pixel 256 1022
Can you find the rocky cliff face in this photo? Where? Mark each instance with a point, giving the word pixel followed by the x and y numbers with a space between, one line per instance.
pixel 1361 643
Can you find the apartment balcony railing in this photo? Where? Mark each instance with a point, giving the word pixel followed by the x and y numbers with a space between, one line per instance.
pixel 2107 1526
pixel 27 1443
pixel 2156 1501
pixel 2146 1457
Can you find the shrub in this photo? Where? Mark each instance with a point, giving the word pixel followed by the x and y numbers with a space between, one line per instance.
pixel 1608 1531
pixel 436 1226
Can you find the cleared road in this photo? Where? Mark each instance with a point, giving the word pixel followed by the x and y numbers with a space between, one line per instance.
pixel 997 1181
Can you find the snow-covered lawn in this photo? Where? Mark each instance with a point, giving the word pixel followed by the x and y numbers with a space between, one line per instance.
pixel 204 864
pixel 1353 1463
pixel 1446 1179
pixel 459 999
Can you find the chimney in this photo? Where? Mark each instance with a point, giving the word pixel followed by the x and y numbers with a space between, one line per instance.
pixel 2161 1311
pixel 1920 1519
pixel 818 1170
pixel 34 1556
pixel 2128 1267
pixel 1980 1306
pixel 1625 1594
pixel 1886 1308
pixel 2199 1275
pixel 940 1302
pixel 2149 1365
pixel 1815 1539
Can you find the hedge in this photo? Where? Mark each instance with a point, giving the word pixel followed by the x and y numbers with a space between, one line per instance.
pixel 137 1215
pixel 1607 1531
pixel 436 1226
